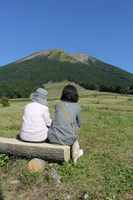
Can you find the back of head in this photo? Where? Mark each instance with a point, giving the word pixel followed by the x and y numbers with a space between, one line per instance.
pixel 40 96
pixel 70 94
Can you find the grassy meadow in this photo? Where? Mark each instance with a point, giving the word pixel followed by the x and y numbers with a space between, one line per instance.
pixel 105 171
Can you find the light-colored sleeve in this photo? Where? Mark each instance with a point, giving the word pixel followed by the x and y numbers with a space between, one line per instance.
pixel 47 117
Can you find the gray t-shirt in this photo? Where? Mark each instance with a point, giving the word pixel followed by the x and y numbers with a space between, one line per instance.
pixel 60 131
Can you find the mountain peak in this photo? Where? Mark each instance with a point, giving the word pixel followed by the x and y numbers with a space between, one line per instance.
pixel 83 57
pixel 53 54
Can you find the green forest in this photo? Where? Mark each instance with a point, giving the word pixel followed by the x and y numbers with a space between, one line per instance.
pixel 19 79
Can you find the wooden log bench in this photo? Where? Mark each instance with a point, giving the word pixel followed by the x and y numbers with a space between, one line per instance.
pixel 45 151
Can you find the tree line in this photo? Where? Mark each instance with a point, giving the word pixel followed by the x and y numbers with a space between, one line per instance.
pixel 24 92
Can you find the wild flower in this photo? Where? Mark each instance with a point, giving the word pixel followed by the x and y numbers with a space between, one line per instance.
pixel 86 196
pixel 67 197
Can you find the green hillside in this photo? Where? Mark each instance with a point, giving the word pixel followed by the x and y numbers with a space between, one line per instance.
pixel 18 79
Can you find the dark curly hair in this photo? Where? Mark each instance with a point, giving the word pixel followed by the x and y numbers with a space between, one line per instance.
pixel 70 94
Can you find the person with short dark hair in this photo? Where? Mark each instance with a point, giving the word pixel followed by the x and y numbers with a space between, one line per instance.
pixel 70 94
pixel 61 131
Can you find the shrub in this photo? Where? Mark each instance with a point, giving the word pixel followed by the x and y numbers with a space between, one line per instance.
pixel 5 101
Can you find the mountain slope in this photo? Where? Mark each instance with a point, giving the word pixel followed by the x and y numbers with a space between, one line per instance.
pixel 57 65
pixel 56 54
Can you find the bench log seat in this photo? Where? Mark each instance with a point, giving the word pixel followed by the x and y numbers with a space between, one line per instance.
pixel 46 151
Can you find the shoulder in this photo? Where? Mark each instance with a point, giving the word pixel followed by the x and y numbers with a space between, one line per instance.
pixel 29 105
pixel 57 105
pixel 36 105
pixel 45 108
pixel 76 108
pixel 76 105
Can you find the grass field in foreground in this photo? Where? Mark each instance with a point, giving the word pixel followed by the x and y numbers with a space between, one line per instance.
pixel 105 171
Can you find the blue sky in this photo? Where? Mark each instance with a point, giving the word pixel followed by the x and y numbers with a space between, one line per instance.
pixel 100 28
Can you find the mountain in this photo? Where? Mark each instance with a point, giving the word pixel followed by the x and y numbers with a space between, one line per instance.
pixel 23 76
pixel 56 54
pixel 61 56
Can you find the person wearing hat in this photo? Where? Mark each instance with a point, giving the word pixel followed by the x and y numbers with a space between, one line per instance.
pixel 36 118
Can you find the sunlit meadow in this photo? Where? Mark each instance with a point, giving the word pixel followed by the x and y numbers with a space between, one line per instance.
pixel 105 171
